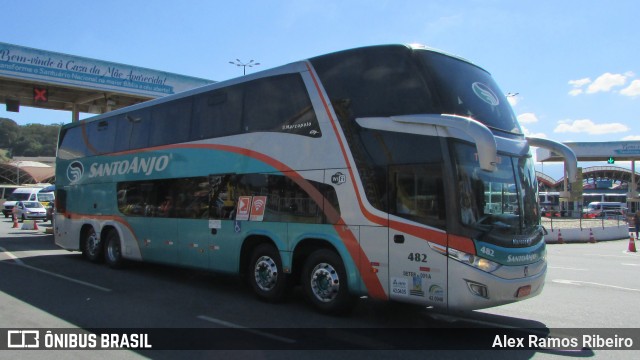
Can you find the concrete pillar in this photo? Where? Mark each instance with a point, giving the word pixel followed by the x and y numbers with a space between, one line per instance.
pixel 75 113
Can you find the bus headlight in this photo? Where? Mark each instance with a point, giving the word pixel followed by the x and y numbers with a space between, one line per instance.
pixel 472 260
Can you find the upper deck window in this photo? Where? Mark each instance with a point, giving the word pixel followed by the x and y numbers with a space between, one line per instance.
pixel 396 80
pixel 378 81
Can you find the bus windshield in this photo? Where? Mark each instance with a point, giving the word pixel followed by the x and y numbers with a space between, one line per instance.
pixel 503 202
pixel 467 90
pixel 48 196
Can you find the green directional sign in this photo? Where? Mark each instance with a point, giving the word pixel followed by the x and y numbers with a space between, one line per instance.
pixel 611 160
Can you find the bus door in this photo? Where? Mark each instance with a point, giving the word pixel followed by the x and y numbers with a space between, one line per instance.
pixel 193 226
pixel 417 271
pixel 209 235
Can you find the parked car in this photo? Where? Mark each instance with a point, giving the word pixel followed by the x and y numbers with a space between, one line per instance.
pixel 19 194
pixel 30 210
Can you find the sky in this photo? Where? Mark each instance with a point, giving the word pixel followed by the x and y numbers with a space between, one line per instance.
pixel 574 64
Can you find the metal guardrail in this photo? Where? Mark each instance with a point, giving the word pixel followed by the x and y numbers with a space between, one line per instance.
pixel 574 220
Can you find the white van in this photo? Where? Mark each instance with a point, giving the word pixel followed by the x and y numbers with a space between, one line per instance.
pixel 19 194
pixel 6 191
pixel 597 209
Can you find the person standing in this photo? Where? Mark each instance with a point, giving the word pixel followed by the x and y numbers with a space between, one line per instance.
pixel 636 222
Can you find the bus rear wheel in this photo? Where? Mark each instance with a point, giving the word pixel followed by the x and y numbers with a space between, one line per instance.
pixel 113 250
pixel 265 274
pixel 91 245
pixel 324 280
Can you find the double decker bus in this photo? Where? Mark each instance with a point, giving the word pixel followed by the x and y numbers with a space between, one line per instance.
pixel 392 172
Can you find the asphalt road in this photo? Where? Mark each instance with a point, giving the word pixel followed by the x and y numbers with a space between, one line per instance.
pixel 589 288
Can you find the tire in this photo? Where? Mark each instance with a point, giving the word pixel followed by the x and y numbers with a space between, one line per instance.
pixel 265 274
pixel 91 245
pixel 324 281
pixel 113 250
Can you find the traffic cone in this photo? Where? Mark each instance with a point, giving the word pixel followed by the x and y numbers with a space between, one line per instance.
pixel 15 222
pixel 560 241
pixel 632 243
pixel 35 225
pixel 592 239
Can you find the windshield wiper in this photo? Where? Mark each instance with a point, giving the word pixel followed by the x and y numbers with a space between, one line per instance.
pixel 495 224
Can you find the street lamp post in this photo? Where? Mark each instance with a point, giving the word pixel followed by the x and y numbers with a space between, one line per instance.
pixel 251 63
pixel 18 163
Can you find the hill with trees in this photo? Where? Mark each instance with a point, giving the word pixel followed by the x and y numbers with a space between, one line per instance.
pixel 28 140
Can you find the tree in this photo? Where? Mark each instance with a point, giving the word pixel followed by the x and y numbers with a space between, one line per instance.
pixel 9 131
pixel 28 140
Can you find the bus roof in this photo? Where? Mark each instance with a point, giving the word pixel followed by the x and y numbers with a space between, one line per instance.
pixel 298 66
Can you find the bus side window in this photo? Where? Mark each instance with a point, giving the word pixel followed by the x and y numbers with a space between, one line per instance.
pixel 141 127
pixel 217 113
pixel 72 144
pixel 286 200
pixel 222 197
pixel 279 104
pixel 172 122
pixel 132 130
pixel 416 193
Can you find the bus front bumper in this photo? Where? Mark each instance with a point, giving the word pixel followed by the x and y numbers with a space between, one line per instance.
pixel 472 289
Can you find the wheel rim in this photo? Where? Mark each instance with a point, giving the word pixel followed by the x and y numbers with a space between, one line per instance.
pixel 325 282
pixel 92 243
pixel 113 250
pixel 266 273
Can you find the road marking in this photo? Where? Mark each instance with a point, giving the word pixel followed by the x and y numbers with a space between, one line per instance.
pixel 249 330
pixel 630 264
pixel 567 268
pixel 602 255
pixel 580 283
pixel 10 255
pixel 21 263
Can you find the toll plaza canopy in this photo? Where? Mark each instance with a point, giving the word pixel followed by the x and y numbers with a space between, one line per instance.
pixel 51 80
pixel 609 152
pixel 596 151
pixel 22 171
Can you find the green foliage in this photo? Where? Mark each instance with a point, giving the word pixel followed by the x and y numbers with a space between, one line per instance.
pixel 8 132
pixel 28 140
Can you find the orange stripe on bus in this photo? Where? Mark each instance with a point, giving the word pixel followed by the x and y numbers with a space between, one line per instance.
pixel 462 243
pixel 372 283
pixel 435 236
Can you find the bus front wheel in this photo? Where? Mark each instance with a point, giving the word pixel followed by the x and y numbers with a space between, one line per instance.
pixel 91 245
pixel 113 250
pixel 265 274
pixel 324 280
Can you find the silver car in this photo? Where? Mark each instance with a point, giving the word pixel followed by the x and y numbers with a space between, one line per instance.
pixel 30 210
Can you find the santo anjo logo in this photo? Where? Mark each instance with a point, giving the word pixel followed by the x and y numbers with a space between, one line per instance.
pixel 485 93
pixel 75 170
pixel 137 165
